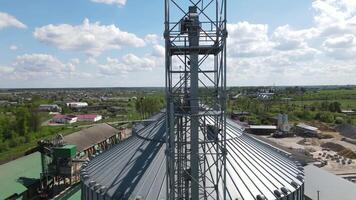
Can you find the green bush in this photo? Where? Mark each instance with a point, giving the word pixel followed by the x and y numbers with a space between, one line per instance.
pixel 325 117
pixel 339 120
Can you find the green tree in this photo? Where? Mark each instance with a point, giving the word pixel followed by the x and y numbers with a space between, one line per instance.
pixel 22 121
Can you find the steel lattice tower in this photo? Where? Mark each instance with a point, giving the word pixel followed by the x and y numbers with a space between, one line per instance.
pixel 195 39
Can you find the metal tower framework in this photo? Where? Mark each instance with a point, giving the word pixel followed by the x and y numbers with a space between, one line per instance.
pixel 195 38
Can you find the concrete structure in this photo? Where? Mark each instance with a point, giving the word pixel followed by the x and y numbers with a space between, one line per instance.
pixel 327 186
pixel 283 124
pixel 50 108
pixel 64 119
pixel 136 168
pixel 89 118
pixel 306 130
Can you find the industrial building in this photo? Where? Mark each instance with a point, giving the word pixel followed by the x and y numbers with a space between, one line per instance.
pixel 262 129
pixel 305 130
pixel 49 108
pixel 136 168
pixel 56 164
pixel 77 105
pixel 89 118
pixel 69 119
pixel 64 119
pixel 96 138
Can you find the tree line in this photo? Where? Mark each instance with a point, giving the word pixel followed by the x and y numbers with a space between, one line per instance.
pixel 18 126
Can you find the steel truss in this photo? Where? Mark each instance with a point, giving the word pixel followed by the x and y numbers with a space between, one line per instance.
pixel 195 40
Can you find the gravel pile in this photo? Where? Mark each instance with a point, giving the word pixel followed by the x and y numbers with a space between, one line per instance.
pixel 333 146
pixel 347 130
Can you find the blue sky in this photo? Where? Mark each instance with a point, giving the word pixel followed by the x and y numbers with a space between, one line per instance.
pixel 281 42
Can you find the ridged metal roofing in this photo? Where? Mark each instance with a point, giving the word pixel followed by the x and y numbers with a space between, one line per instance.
pixel 90 136
pixel 136 167
pixel 18 174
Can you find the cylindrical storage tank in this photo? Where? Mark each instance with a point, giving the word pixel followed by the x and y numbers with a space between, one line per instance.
pixel 136 168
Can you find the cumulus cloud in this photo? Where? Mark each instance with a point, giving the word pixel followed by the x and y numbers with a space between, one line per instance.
pixel 129 63
pixel 7 20
pixel 5 70
pixel 286 38
pixel 91 61
pixel 248 40
pixel 133 63
pixel 153 39
pixel 111 2
pixel 341 47
pixel 13 47
pixel 158 51
pixel 91 38
pixel 323 51
pixel 36 65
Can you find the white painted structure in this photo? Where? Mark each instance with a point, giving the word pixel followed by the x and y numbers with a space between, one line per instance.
pixel 77 104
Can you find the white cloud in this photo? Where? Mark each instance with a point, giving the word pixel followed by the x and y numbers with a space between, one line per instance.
pixel 129 63
pixel 286 38
pixel 153 38
pixel 111 2
pixel 91 61
pixel 321 54
pixel 134 63
pixel 13 47
pixel 37 65
pixel 91 38
pixel 248 40
pixel 5 70
pixel 158 51
pixel 341 47
pixel 7 20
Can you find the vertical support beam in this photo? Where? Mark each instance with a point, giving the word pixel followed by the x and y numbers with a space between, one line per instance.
pixel 193 34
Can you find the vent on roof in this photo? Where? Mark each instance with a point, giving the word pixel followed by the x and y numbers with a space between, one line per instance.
pixel 91 183
pixel 261 197
pixel 103 189
pixel 96 186
pixel 139 198
pixel 285 190
pixel 299 177
pixel 294 184
pixel 277 193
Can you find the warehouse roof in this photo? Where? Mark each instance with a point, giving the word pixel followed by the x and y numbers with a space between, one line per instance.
pixel 18 174
pixel 86 138
pixel 307 127
pixel 330 186
pixel 263 127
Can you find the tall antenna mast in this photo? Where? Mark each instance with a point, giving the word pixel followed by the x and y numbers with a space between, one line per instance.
pixel 195 38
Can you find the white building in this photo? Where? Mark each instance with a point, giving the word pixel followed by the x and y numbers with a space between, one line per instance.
pixel 64 119
pixel 77 104
pixel 89 118
pixel 50 107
